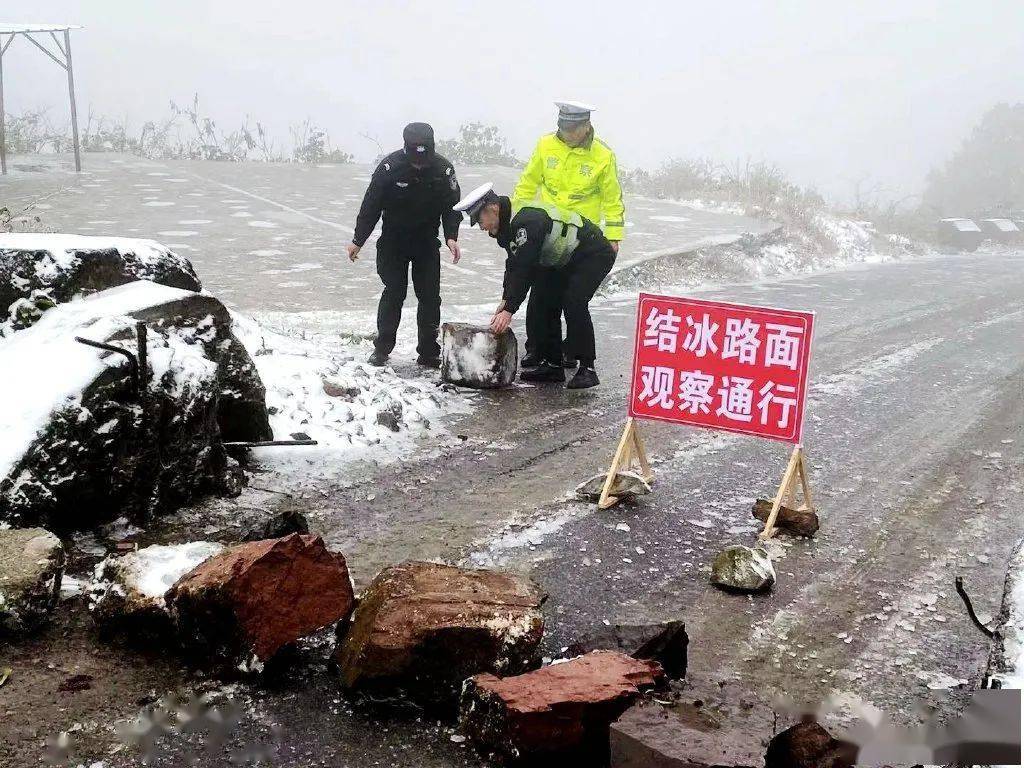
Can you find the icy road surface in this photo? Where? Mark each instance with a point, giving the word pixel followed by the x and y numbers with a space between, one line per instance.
pixel 270 236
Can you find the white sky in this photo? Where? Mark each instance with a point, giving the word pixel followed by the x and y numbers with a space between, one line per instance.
pixel 833 92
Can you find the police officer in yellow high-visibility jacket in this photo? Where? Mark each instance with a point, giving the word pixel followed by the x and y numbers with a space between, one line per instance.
pixel 576 171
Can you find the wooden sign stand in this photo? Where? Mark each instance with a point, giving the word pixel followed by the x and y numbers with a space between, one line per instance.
pixel 631 448
pixel 787 491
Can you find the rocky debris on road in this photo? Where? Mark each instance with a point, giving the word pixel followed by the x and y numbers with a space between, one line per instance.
pixel 126 595
pixel 626 485
pixel 665 643
pixel 86 445
pixel 243 605
pixel 473 356
pixel 723 727
pixel 562 711
pixel 801 522
pixel 63 266
pixel 281 524
pixel 31 568
pixel 423 628
pixel 809 745
pixel 743 569
pixel 1005 667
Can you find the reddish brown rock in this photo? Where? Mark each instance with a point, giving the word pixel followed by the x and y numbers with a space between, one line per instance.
pixel 423 628
pixel 249 601
pixel 809 745
pixel 801 522
pixel 560 711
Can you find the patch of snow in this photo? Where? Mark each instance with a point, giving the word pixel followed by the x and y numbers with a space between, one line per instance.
pixel 370 413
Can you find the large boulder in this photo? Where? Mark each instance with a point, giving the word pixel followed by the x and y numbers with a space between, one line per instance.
pixel 726 728
pixel 127 591
pixel 474 356
pixel 423 628
pixel 559 712
pixel 31 568
pixel 743 569
pixel 242 606
pixel 84 445
pixel 63 266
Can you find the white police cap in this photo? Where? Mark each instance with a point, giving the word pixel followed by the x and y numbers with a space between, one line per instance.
pixel 573 111
pixel 475 200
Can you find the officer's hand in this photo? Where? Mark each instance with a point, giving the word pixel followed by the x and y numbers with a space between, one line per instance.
pixel 615 246
pixel 453 246
pixel 501 321
pixel 353 251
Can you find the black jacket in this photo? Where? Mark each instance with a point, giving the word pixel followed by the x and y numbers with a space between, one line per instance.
pixel 522 236
pixel 412 200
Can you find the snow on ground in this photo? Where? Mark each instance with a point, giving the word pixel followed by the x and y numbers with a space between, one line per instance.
pixel 318 385
pixel 1008 668
pixel 50 369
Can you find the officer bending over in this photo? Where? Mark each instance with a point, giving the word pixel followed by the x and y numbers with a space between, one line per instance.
pixel 563 258
pixel 415 189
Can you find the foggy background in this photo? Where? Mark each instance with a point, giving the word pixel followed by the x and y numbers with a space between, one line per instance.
pixel 874 91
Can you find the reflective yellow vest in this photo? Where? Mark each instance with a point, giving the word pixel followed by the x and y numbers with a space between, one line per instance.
pixel 563 238
pixel 580 179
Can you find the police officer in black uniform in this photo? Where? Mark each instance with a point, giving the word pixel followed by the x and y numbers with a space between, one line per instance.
pixel 563 258
pixel 414 188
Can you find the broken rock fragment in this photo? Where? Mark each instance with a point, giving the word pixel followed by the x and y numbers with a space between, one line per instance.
pixel 127 593
pixel 31 567
pixel 809 745
pixel 663 642
pixel 626 485
pixel 802 522
pixel 281 524
pixel 423 628
pixel 559 712
pixel 716 724
pixel 473 356
pixel 246 603
pixel 744 569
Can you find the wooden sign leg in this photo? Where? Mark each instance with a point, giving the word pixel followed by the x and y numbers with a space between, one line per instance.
pixel 625 441
pixel 785 488
pixel 641 455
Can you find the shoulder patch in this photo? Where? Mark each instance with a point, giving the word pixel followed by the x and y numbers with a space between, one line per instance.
pixel 387 166
pixel 448 171
pixel 519 239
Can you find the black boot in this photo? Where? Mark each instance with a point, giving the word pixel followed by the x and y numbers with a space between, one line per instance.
pixel 377 358
pixel 544 372
pixel 584 378
pixel 429 361
pixel 531 360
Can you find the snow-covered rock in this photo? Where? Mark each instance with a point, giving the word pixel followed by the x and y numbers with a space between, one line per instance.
pixel 745 569
pixel 127 592
pixel 1006 659
pixel 82 445
pixel 62 266
pixel 474 356
pixel 31 567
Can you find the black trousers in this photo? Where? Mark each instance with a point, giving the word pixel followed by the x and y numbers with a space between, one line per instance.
pixel 394 257
pixel 569 290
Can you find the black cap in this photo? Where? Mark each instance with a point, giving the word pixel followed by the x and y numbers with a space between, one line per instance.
pixel 418 139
